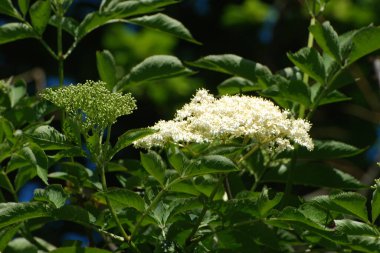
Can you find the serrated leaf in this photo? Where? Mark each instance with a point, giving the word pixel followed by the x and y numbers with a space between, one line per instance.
pixel 164 23
pixel 327 39
pixel 364 42
pixel 17 92
pixel 154 165
pixel 330 149
pixel 129 137
pixel 79 249
pixel 6 129
pixel 48 138
pixel 53 194
pixel 11 213
pixel 24 6
pixel 116 11
pixel 177 158
pixel 106 68
pixel 123 198
pixel 210 164
pixel 68 24
pixel 40 15
pixel 289 90
pixel 375 201
pixel 310 62
pixel 369 244
pixel 235 85
pixel 334 97
pixel 265 202
pixel 15 31
pixel 345 202
pixel 6 7
pixel 7 234
pixel 351 227
pixel 33 159
pixel 154 68
pixel 235 65
pixel 314 174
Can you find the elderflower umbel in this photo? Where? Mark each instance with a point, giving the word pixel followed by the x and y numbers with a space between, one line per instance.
pixel 94 101
pixel 207 119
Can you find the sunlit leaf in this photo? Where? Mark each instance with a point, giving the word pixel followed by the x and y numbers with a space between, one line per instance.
pixel 53 194
pixel 123 198
pixel 154 68
pixel 235 85
pixel 39 15
pixel 364 42
pixel 15 31
pixel 154 165
pixel 309 61
pixel 327 39
pixel 48 138
pixel 6 7
pixel 129 137
pixel 164 23
pixel 235 65
pixel 106 68
pixel 210 164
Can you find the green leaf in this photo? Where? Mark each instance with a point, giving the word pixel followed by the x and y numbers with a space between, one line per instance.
pixel 106 68
pixel 123 198
pixel 30 157
pixel 265 202
pixel 11 213
pixel 235 65
pixel 68 24
pixel 328 149
pixel 345 202
pixel 7 234
pixel 40 15
pixel 365 41
pixel 210 164
pixel 314 174
pixel 177 158
pixel 53 194
pixel 375 201
pixel 365 243
pixel 290 90
pixel 79 250
pixel 17 92
pixel 334 97
pixel 327 39
pixel 6 129
pixel 118 10
pixel 154 165
pixel 6 7
pixel 235 85
pixel 21 245
pixel 15 31
pixel 48 138
pixel 74 214
pixel 24 6
pixel 310 62
pixel 129 137
pixel 154 68
pixel 351 227
pixel 164 23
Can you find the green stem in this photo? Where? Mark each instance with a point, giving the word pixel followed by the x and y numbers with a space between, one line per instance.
pixel 110 207
pixel 10 186
pixel 310 43
pixel 203 212
pixel 48 48
pixel 151 206
pixel 248 154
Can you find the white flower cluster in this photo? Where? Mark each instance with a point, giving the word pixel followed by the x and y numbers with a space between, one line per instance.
pixel 208 119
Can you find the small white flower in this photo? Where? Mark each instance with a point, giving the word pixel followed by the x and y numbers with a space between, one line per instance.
pixel 207 119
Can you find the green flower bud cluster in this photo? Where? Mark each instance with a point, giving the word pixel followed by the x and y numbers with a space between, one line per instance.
pixel 92 102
